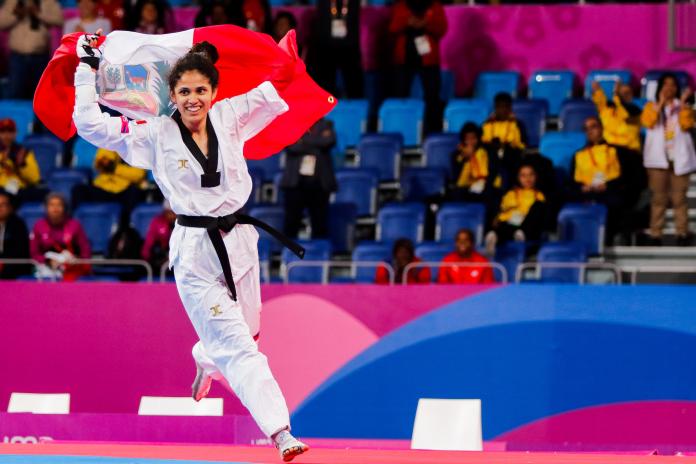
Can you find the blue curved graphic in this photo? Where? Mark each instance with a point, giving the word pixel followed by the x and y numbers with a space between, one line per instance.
pixel 527 351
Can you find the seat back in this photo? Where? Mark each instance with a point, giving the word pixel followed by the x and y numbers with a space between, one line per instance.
pixel 315 250
pixel 48 151
pixel 433 252
pixel 267 167
pixel 381 152
pixel 552 86
pixel 417 184
pixel 143 214
pixel 561 252
pixel 574 113
pixel 460 111
pixel 438 150
pixel 400 220
pixel 453 217
pixel 447 424
pixel 607 79
pixel 350 122
pixel 30 213
pixel 488 84
pixel 403 116
pixel 371 252
pixel 22 113
pixel 583 223
pixel 99 221
pixel 83 154
pixel 560 147
pixel 358 186
pixel 532 114
pixel 342 219
pixel 64 180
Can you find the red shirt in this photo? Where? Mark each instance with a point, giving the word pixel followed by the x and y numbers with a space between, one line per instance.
pixel 157 234
pixel 417 275
pixel 435 28
pixel 465 274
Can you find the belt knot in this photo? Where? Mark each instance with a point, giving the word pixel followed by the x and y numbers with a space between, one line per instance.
pixel 226 223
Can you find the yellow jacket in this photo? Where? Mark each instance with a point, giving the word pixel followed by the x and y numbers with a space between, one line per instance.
pixel 518 201
pixel 25 176
pixel 473 169
pixel 122 176
pixel 617 130
pixel 506 131
pixel 596 164
pixel 650 116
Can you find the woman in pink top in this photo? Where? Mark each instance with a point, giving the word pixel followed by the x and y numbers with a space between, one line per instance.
pixel 60 234
pixel 156 246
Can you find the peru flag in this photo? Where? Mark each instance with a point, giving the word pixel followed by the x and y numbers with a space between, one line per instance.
pixel 132 79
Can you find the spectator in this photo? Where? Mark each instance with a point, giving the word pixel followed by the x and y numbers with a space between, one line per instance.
pixel 28 22
pixel 14 239
pixel 669 156
pixel 464 254
pixel 87 21
pixel 402 255
pixel 214 14
pixel 151 17
pixel 522 212
pixel 156 246
pixel 475 176
pixel 337 47
pixel 418 26
pixel 503 135
pixel 308 179
pixel 283 23
pixel 116 182
pixel 57 239
pixel 113 11
pixel 597 175
pixel 19 171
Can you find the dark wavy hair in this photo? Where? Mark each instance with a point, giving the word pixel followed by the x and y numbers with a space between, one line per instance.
pixel 201 58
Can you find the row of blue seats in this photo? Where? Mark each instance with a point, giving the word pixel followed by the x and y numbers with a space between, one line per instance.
pixel 509 256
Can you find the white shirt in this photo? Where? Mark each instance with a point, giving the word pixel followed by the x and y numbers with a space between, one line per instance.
pixel 91 27
pixel 156 144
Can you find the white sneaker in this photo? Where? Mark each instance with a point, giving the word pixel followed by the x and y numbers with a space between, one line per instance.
pixel 288 446
pixel 491 241
pixel 519 236
pixel 201 384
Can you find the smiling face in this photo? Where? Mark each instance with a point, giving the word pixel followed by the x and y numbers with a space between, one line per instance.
pixel 193 95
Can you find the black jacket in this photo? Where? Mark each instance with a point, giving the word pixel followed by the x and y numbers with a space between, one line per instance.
pixel 318 141
pixel 14 243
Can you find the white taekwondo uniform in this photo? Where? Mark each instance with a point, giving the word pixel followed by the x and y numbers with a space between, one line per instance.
pixel 225 327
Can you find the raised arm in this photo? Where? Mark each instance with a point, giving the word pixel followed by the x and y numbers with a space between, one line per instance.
pixel 253 111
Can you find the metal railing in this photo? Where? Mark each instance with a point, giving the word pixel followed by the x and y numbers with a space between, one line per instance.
pixel 581 267
pixel 327 265
pixel 489 265
pixel 90 261
pixel 657 269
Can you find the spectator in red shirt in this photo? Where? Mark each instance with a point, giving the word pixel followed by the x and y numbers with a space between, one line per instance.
pixel 57 239
pixel 402 255
pixel 156 246
pixel 465 253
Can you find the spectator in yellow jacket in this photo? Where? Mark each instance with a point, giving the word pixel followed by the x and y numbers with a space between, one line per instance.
pixel 503 136
pixel 620 117
pixel 115 182
pixel 19 171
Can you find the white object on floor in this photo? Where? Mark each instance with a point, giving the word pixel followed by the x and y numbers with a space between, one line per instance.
pixel 445 424
pixel 179 406
pixel 40 403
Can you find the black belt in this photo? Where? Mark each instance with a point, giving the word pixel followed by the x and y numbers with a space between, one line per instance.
pixel 225 223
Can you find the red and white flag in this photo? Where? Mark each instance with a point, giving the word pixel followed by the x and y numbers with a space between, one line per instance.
pixel 132 79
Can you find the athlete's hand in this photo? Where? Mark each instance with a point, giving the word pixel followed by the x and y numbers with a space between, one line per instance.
pixel 87 49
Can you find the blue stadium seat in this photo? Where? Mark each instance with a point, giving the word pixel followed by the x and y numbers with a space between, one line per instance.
pixel 315 250
pixel 574 113
pixel 400 220
pixel 264 247
pixel 447 89
pixel 256 175
pixel 381 152
pixel 30 213
pixel 607 79
pixel 433 252
pixel 268 167
pixel 488 84
pixel 509 255
pixel 342 218
pixel 552 86
pixel 22 112
pixel 48 151
pixel 532 114
pixel 417 184
pixel 438 149
pixel 369 252
pixel 455 216
pixel 358 186
pixel 142 216
pixel 460 111
pixel 274 216
pixel 403 116
pixel 278 194
pixel 100 221
pixel 83 154
pixel 583 223
pixel 649 82
pixel 350 122
pixel 560 147
pixel 561 252
pixel 63 181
